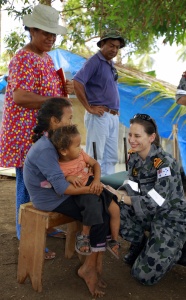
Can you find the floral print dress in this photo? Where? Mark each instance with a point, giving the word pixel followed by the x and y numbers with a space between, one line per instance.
pixel 32 73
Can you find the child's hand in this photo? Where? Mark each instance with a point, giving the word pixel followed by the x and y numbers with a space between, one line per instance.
pixel 96 187
pixel 75 180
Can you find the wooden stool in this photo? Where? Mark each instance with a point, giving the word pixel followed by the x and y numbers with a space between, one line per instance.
pixel 34 225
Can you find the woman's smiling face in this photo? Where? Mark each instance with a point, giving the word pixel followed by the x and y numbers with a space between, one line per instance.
pixel 42 41
pixel 139 140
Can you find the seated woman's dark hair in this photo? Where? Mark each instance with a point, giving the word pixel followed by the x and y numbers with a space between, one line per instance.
pixel 52 107
pixel 149 125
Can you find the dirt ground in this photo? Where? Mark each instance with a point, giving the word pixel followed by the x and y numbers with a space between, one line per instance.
pixel 60 280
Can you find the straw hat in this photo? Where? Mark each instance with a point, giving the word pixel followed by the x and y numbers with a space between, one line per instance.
pixel 114 35
pixel 46 18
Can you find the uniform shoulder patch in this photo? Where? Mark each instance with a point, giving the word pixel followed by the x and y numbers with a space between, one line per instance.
pixel 134 172
pixel 157 162
pixel 164 172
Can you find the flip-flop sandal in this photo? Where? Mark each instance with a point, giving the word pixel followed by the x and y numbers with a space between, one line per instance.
pixel 56 234
pixel 110 245
pixel 49 254
pixel 82 241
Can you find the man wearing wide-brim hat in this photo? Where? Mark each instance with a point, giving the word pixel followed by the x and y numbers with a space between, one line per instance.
pixel 96 88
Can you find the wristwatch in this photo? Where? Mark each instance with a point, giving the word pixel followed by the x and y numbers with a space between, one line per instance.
pixel 122 199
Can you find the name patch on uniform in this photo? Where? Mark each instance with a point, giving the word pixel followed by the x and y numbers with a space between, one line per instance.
pixel 134 185
pixel 156 197
pixel 164 172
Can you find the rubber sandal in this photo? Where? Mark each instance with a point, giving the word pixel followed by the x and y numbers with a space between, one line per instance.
pixel 82 241
pixel 110 245
pixel 56 232
pixel 49 254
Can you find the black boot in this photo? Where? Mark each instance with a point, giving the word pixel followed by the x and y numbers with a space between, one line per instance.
pixel 134 251
pixel 182 260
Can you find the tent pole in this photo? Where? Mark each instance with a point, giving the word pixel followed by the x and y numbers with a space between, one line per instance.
pixel 125 153
pixel 175 141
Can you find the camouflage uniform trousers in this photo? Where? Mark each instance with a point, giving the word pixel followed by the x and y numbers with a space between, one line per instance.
pixel 162 249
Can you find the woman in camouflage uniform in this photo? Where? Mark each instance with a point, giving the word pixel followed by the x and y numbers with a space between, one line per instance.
pixel 152 202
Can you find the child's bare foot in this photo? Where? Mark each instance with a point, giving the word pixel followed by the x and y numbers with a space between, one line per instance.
pixel 99 269
pixel 91 279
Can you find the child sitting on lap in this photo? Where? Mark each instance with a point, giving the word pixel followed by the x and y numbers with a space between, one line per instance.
pixel 75 163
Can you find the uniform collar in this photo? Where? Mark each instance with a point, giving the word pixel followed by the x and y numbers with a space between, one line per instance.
pixel 154 150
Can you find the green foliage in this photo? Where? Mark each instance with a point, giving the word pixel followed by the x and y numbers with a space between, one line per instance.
pixel 17 10
pixel 14 41
pixel 141 22
pixel 151 73
pixel 182 53
pixel 4 61
pixel 3 2
pixel 162 93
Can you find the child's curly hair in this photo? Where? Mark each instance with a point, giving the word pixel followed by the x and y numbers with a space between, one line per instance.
pixel 62 137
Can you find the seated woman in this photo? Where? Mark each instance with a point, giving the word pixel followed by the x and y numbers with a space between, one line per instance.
pixel 152 201
pixel 49 190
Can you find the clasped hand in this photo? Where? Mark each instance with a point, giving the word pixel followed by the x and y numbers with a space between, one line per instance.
pixel 69 87
pixel 96 187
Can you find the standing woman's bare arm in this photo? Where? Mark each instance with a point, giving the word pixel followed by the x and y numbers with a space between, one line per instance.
pixel 28 99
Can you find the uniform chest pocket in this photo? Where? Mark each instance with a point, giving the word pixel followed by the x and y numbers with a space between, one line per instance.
pixel 146 184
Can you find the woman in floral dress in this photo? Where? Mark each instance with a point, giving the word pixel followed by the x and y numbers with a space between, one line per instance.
pixel 32 80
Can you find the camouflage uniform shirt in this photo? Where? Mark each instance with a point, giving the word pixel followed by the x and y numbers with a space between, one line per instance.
pixel 159 207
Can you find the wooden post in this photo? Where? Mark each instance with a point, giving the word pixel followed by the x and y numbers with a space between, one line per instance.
pixel 125 153
pixel 175 142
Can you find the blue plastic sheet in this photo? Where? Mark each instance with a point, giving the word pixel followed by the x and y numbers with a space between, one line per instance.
pixel 3 83
pixel 69 61
pixel 129 105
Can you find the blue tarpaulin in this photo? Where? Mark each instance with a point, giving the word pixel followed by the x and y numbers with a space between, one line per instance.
pixel 129 105
pixel 3 83
pixel 69 61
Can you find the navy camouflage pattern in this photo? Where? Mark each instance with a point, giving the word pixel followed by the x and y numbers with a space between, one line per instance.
pixel 166 224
